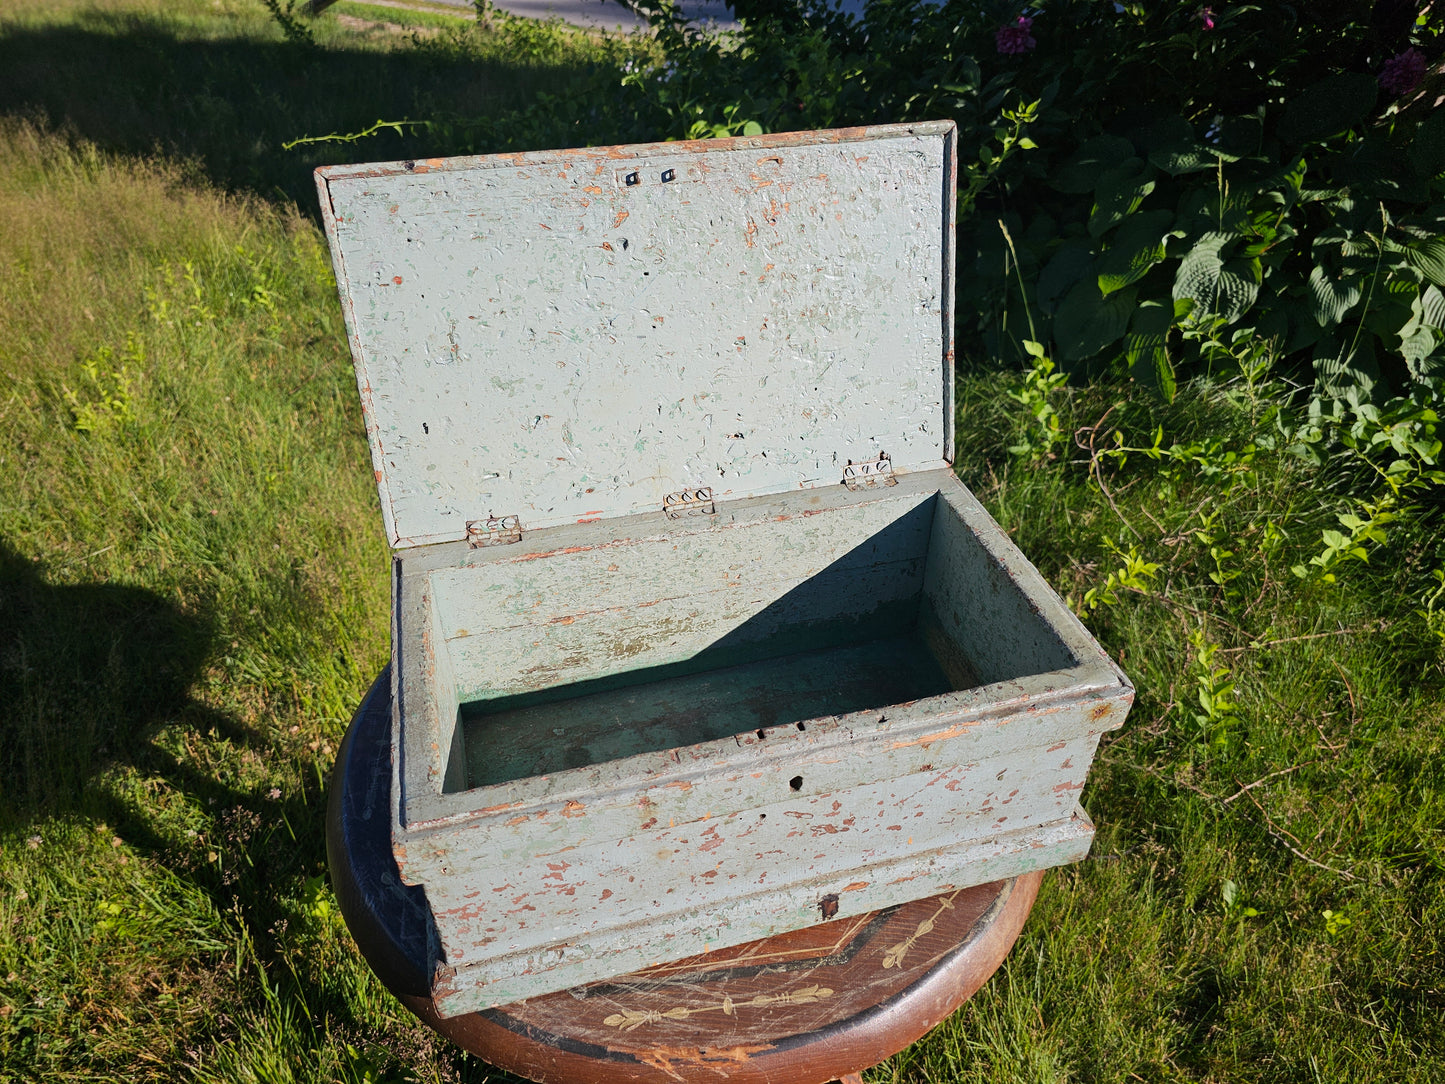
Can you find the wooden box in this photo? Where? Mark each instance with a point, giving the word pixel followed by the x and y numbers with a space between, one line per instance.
pixel 696 636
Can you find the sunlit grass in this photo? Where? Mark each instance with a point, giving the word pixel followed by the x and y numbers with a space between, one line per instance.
pixel 193 597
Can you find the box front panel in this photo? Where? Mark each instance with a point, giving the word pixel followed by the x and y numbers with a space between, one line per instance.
pixel 719 859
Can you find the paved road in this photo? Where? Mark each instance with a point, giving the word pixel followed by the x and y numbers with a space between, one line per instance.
pixel 603 13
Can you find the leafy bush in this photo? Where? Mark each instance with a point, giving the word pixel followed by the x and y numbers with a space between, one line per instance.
pixel 1190 181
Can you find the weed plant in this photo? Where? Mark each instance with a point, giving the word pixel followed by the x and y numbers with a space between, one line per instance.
pixel 193 598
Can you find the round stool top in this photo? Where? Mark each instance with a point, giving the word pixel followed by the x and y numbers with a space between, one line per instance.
pixel 806 1007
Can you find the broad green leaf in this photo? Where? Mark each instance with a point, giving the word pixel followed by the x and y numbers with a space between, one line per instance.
pixel 1217 287
pixel 1087 321
pixel 1071 262
pixel 1119 193
pixel 1328 108
pixel 1146 348
pixel 1332 296
pixel 1345 364
pixel 1084 168
pixel 1432 307
pixel 1137 246
pixel 1174 148
pixel 1428 257
pixel 1427 145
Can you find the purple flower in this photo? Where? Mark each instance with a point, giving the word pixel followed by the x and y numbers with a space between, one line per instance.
pixel 1206 17
pixel 1016 38
pixel 1402 74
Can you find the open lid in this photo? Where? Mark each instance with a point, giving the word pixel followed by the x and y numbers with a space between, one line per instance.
pixel 565 336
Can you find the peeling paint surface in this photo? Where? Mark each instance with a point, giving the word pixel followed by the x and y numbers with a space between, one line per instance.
pixel 568 335
pixel 720 687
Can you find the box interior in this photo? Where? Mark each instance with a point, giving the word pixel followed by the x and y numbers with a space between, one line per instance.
pixel 646 644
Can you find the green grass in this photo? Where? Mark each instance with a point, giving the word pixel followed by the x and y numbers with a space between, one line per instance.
pixel 217 86
pixel 407 15
pixel 193 598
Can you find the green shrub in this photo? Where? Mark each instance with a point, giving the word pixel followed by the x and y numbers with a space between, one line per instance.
pixel 1178 182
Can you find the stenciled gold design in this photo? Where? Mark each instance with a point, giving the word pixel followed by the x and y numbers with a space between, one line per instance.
pixel 755 954
pixel 631 1019
pixel 894 956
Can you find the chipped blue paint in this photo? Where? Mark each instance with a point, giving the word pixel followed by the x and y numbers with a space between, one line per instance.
pixel 536 337
pixel 627 738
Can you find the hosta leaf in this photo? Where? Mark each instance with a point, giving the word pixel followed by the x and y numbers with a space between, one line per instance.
pixel 1432 307
pixel 1176 150
pixel 1427 145
pixel 1146 347
pixel 1091 161
pixel 1328 108
pixel 1217 287
pixel 1428 257
pixel 1071 262
pixel 1137 246
pixel 1347 366
pixel 1418 345
pixel 1087 321
pixel 1333 297
pixel 1119 193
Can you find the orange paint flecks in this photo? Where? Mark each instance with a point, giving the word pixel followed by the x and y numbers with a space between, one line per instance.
pixel 939 735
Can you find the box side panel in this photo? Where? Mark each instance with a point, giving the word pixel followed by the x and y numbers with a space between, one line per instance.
pixel 605 805
pixel 972 595
pixel 989 597
pixel 692 851
pixel 424 694
pixel 516 628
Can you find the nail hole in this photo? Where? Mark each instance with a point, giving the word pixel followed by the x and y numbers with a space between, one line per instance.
pixel 631 179
pixel 796 782
pixel 669 175
pixel 802 727
pixel 762 734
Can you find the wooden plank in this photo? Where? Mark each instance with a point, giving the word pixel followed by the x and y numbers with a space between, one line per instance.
pixel 528 739
pixel 571 334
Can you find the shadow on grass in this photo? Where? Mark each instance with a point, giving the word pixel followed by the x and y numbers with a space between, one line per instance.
pixel 95 683
pixel 86 671
pixel 141 86
pixel 92 676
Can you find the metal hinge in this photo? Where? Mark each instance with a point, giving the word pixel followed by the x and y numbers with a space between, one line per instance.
pixel 689 502
pixel 494 531
pixel 875 472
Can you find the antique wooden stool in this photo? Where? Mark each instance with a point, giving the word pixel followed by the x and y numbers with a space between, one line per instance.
pixel 814 1005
